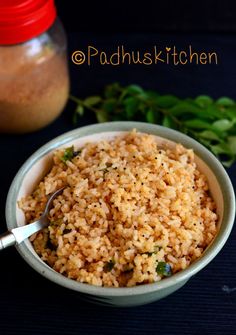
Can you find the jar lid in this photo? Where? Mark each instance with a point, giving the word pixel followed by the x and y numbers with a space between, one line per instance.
pixel 21 20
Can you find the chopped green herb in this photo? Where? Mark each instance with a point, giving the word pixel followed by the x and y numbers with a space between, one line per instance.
pixel 77 152
pixel 211 122
pixel 56 223
pixel 66 231
pixel 149 253
pixel 50 245
pixel 109 266
pixel 105 170
pixel 164 269
pixel 68 154
pixel 157 248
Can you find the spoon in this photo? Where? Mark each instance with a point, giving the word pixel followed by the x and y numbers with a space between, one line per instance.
pixel 17 235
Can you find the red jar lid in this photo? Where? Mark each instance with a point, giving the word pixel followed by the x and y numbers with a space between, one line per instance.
pixel 21 20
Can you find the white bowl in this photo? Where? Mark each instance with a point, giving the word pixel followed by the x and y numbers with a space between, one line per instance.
pixel 38 165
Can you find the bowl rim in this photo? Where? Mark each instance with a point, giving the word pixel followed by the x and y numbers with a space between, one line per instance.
pixel 173 135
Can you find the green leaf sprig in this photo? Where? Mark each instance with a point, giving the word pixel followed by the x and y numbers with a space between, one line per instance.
pixel 211 122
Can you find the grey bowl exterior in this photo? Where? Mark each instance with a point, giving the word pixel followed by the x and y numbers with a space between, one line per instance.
pixel 146 293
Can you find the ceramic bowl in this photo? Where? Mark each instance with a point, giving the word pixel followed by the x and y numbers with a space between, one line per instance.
pixel 37 166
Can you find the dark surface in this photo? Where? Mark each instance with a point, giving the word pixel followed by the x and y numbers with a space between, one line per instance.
pixel 149 16
pixel 30 304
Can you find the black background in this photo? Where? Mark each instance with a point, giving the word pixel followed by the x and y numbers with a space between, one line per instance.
pixel 148 16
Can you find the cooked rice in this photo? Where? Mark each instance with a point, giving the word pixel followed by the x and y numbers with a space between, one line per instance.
pixel 128 205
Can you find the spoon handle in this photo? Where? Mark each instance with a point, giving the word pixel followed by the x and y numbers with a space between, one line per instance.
pixel 19 234
pixel 6 240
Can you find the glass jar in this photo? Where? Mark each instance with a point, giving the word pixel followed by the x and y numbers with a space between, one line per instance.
pixel 34 80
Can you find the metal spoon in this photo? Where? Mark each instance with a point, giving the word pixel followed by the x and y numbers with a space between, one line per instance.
pixel 17 235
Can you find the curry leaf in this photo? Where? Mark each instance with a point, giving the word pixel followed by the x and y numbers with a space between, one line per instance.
pixel 166 101
pixel 150 116
pixel 131 105
pixel 211 122
pixel 210 135
pixel 91 101
pixel 223 124
pixel 80 110
pixel 102 116
pixel 203 101
pixel 225 101
pixel 232 144
pixel 134 89
pixel 167 122
pixel 197 124
pixel 109 105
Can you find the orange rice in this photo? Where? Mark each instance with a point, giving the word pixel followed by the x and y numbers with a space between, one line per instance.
pixel 131 212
